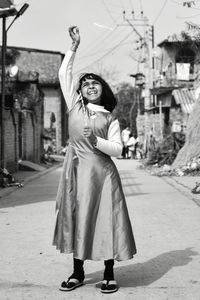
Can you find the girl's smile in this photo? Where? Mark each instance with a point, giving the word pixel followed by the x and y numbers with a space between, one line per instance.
pixel 91 90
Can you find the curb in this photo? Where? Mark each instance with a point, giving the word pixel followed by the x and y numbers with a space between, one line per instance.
pixel 182 188
pixel 7 191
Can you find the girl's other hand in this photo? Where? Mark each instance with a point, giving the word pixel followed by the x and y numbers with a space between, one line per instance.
pixel 74 34
pixel 88 133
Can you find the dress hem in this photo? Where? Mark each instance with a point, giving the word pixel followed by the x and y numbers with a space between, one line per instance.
pixel 95 258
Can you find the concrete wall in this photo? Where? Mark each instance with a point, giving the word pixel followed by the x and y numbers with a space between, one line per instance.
pixel 52 104
pixel 150 123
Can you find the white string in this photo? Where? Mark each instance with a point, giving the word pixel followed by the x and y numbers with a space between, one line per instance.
pixel 84 110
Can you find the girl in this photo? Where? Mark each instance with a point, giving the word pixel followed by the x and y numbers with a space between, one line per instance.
pixel 92 217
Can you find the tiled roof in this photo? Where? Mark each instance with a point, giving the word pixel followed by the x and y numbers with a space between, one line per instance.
pixel 46 63
pixel 186 98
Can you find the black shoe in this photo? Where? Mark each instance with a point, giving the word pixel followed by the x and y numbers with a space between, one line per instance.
pixel 109 286
pixel 70 284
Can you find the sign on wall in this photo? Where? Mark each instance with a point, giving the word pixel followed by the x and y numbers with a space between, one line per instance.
pixel 176 126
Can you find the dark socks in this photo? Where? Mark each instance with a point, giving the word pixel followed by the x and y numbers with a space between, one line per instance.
pixel 78 272
pixel 108 272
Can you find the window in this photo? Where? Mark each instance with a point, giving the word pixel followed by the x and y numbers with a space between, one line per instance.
pixel 186 55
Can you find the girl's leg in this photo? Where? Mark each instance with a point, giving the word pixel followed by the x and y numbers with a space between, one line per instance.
pixel 109 285
pixel 108 272
pixel 77 277
pixel 78 271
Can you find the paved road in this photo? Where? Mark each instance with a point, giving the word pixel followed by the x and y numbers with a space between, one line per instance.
pixel 167 230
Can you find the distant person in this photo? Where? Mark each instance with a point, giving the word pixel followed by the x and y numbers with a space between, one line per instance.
pixel 132 146
pixel 125 137
pixel 92 216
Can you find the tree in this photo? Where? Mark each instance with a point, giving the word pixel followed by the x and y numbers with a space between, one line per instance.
pixel 108 74
pixel 126 109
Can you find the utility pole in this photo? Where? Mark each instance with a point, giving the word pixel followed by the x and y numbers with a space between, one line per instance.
pixel 146 39
pixel 3 59
pixel 153 45
pixel 147 65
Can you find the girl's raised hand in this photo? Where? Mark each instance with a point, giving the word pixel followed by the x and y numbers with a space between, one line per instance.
pixel 74 34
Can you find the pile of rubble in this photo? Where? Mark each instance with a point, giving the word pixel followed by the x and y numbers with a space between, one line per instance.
pixel 192 168
pixel 8 180
pixel 181 157
pixel 164 152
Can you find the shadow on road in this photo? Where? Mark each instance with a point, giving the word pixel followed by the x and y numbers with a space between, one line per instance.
pixel 30 199
pixel 34 191
pixel 148 272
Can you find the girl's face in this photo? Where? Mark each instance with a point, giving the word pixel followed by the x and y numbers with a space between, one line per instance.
pixel 92 90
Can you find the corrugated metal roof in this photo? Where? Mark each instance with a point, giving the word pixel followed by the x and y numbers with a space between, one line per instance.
pixel 186 98
pixel 183 37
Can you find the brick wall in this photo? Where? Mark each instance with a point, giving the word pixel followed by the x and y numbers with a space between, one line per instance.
pixel 10 134
pixel 31 143
pixel 23 129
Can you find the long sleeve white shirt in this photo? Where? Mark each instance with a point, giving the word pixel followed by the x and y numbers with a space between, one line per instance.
pixel 111 146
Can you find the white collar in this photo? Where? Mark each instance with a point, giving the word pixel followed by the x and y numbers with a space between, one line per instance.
pixel 95 107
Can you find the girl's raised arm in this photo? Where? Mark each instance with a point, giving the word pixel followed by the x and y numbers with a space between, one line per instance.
pixel 65 71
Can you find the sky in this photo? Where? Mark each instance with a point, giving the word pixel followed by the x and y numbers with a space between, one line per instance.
pixel 107 41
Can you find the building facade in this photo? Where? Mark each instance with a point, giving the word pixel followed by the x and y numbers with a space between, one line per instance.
pixel 176 81
pixel 34 106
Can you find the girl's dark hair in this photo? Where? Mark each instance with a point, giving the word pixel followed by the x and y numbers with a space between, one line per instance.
pixel 108 99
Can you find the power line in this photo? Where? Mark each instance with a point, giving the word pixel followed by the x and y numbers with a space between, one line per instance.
pixel 141 6
pixel 188 17
pixel 160 11
pixel 139 59
pixel 116 5
pixel 101 46
pixel 122 4
pixel 127 5
pixel 105 40
pixel 107 53
pixel 108 11
pixel 131 5
pixel 134 29
pixel 99 40
pixel 112 48
pixel 100 51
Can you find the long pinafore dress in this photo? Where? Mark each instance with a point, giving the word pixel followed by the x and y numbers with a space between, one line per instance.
pixel 92 220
